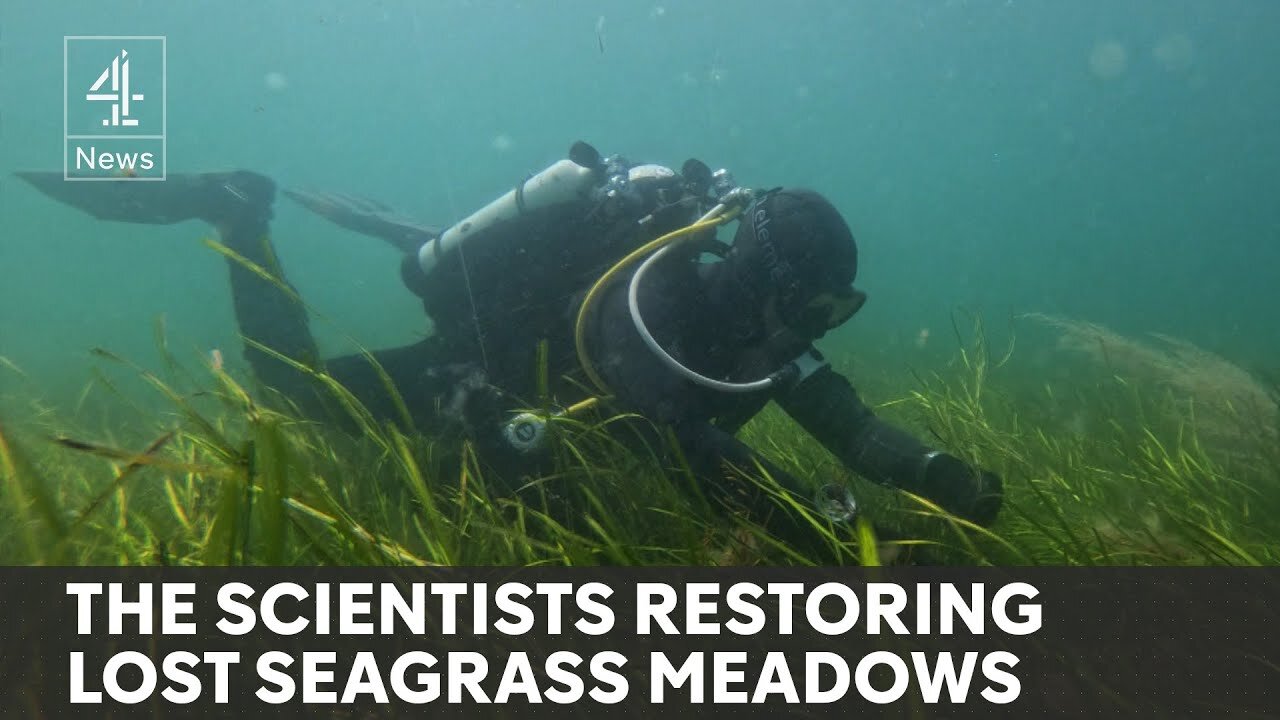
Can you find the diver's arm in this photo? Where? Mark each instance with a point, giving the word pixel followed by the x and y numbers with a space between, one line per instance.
pixel 828 407
pixel 722 463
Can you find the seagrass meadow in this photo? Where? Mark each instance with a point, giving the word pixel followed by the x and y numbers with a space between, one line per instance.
pixel 1148 452
pixel 1066 232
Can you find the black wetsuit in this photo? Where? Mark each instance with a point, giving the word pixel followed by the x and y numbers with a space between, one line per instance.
pixel 498 330
pixel 521 284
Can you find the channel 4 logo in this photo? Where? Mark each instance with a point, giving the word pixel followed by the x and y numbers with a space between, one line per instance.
pixel 114 108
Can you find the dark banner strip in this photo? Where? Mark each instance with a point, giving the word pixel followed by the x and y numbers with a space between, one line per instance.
pixel 499 642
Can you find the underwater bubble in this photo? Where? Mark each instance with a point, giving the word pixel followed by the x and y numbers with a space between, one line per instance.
pixel 275 81
pixel 1174 51
pixel 1078 424
pixel 802 92
pixel 1108 60
pixel 501 142
pixel 657 11
pixel 922 337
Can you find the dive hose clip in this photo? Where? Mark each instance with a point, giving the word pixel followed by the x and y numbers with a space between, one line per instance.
pixel 526 432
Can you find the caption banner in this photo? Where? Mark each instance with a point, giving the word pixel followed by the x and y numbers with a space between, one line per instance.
pixel 911 642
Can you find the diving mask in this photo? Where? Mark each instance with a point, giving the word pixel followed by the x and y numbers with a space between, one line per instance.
pixel 827 311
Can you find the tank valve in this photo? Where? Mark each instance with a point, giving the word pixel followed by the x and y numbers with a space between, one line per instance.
pixel 722 184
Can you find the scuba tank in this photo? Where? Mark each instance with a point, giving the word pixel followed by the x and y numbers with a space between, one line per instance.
pixel 610 185
pixel 509 270
pixel 563 182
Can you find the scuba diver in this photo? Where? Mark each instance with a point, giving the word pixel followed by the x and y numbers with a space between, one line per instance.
pixel 609 275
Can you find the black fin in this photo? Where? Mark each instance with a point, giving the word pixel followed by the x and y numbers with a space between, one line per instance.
pixel 214 197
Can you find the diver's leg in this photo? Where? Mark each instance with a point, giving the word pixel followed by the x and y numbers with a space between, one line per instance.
pixel 432 388
pixel 238 204
pixel 425 381
pixel 268 311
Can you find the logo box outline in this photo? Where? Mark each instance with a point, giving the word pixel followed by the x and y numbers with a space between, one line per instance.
pixel 164 109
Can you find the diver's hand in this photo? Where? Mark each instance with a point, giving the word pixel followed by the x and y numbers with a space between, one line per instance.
pixel 972 493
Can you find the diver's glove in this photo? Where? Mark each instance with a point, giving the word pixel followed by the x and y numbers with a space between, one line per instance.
pixel 972 493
